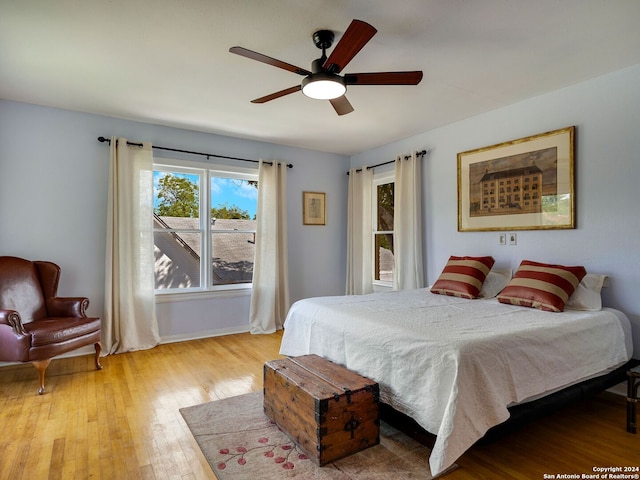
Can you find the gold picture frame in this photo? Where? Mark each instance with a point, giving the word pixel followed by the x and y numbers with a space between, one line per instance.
pixel 313 208
pixel 524 184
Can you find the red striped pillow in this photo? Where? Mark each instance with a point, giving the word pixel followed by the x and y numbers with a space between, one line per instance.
pixel 463 276
pixel 543 286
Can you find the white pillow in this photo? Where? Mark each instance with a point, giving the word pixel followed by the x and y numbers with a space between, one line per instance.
pixel 587 295
pixel 496 280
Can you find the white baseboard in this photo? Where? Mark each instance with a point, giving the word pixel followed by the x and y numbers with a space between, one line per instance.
pixel 207 334
pixel 89 350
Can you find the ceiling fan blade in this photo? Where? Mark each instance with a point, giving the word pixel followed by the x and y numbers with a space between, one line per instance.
pixel 384 78
pixel 341 105
pixel 268 60
pixel 281 93
pixel 355 37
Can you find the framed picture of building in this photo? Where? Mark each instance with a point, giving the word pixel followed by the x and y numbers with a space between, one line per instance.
pixel 524 184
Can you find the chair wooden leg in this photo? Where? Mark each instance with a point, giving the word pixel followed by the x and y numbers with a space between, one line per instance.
pixel 41 366
pixel 98 346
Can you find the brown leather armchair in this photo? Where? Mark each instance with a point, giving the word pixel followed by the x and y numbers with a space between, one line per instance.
pixel 35 325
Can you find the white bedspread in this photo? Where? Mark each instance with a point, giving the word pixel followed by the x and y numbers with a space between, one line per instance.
pixel 454 365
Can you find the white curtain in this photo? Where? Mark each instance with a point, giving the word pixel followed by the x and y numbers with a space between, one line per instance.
pixel 407 224
pixel 359 233
pixel 270 292
pixel 129 318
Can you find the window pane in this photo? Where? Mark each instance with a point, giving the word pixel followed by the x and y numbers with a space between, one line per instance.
pixel 233 198
pixel 177 263
pixel 233 224
pixel 176 194
pixel 176 206
pixel 384 257
pixel 232 253
pixel 385 207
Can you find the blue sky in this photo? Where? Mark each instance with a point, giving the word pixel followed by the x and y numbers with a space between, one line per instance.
pixel 223 190
pixel 234 192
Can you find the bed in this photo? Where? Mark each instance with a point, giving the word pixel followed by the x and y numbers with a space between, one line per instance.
pixel 455 365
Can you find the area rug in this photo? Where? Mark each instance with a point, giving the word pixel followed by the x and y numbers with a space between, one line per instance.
pixel 240 442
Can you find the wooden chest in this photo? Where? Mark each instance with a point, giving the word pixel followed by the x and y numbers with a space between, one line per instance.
pixel 329 411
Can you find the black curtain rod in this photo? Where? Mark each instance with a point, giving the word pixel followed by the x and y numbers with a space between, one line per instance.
pixel 406 157
pixel 108 140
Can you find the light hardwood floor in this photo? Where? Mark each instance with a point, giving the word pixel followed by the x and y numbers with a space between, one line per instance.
pixel 123 422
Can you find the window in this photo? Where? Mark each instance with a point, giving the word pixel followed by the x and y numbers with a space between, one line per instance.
pixel 383 189
pixel 204 227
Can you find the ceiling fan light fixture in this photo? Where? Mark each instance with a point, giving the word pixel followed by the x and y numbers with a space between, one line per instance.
pixel 323 86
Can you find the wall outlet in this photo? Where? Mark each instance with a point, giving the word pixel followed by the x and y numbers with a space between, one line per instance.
pixel 513 239
pixel 502 239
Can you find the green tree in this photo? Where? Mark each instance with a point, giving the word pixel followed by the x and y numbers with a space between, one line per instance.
pixel 385 213
pixel 226 211
pixel 178 197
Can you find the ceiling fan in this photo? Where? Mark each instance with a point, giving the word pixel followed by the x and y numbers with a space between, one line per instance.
pixel 323 81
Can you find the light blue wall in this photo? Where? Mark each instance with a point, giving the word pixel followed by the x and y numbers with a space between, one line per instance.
pixel 53 202
pixel 606 113
pixel 53 193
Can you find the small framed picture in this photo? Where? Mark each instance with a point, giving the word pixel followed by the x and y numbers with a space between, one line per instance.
pixel 313 208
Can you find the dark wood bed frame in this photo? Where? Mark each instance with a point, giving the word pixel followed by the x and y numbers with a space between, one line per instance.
pixel 520 414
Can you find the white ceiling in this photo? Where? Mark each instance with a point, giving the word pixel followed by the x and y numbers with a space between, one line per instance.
pixel 167 62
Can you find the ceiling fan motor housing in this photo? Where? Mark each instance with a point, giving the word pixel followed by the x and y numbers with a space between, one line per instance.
pixel 323 39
